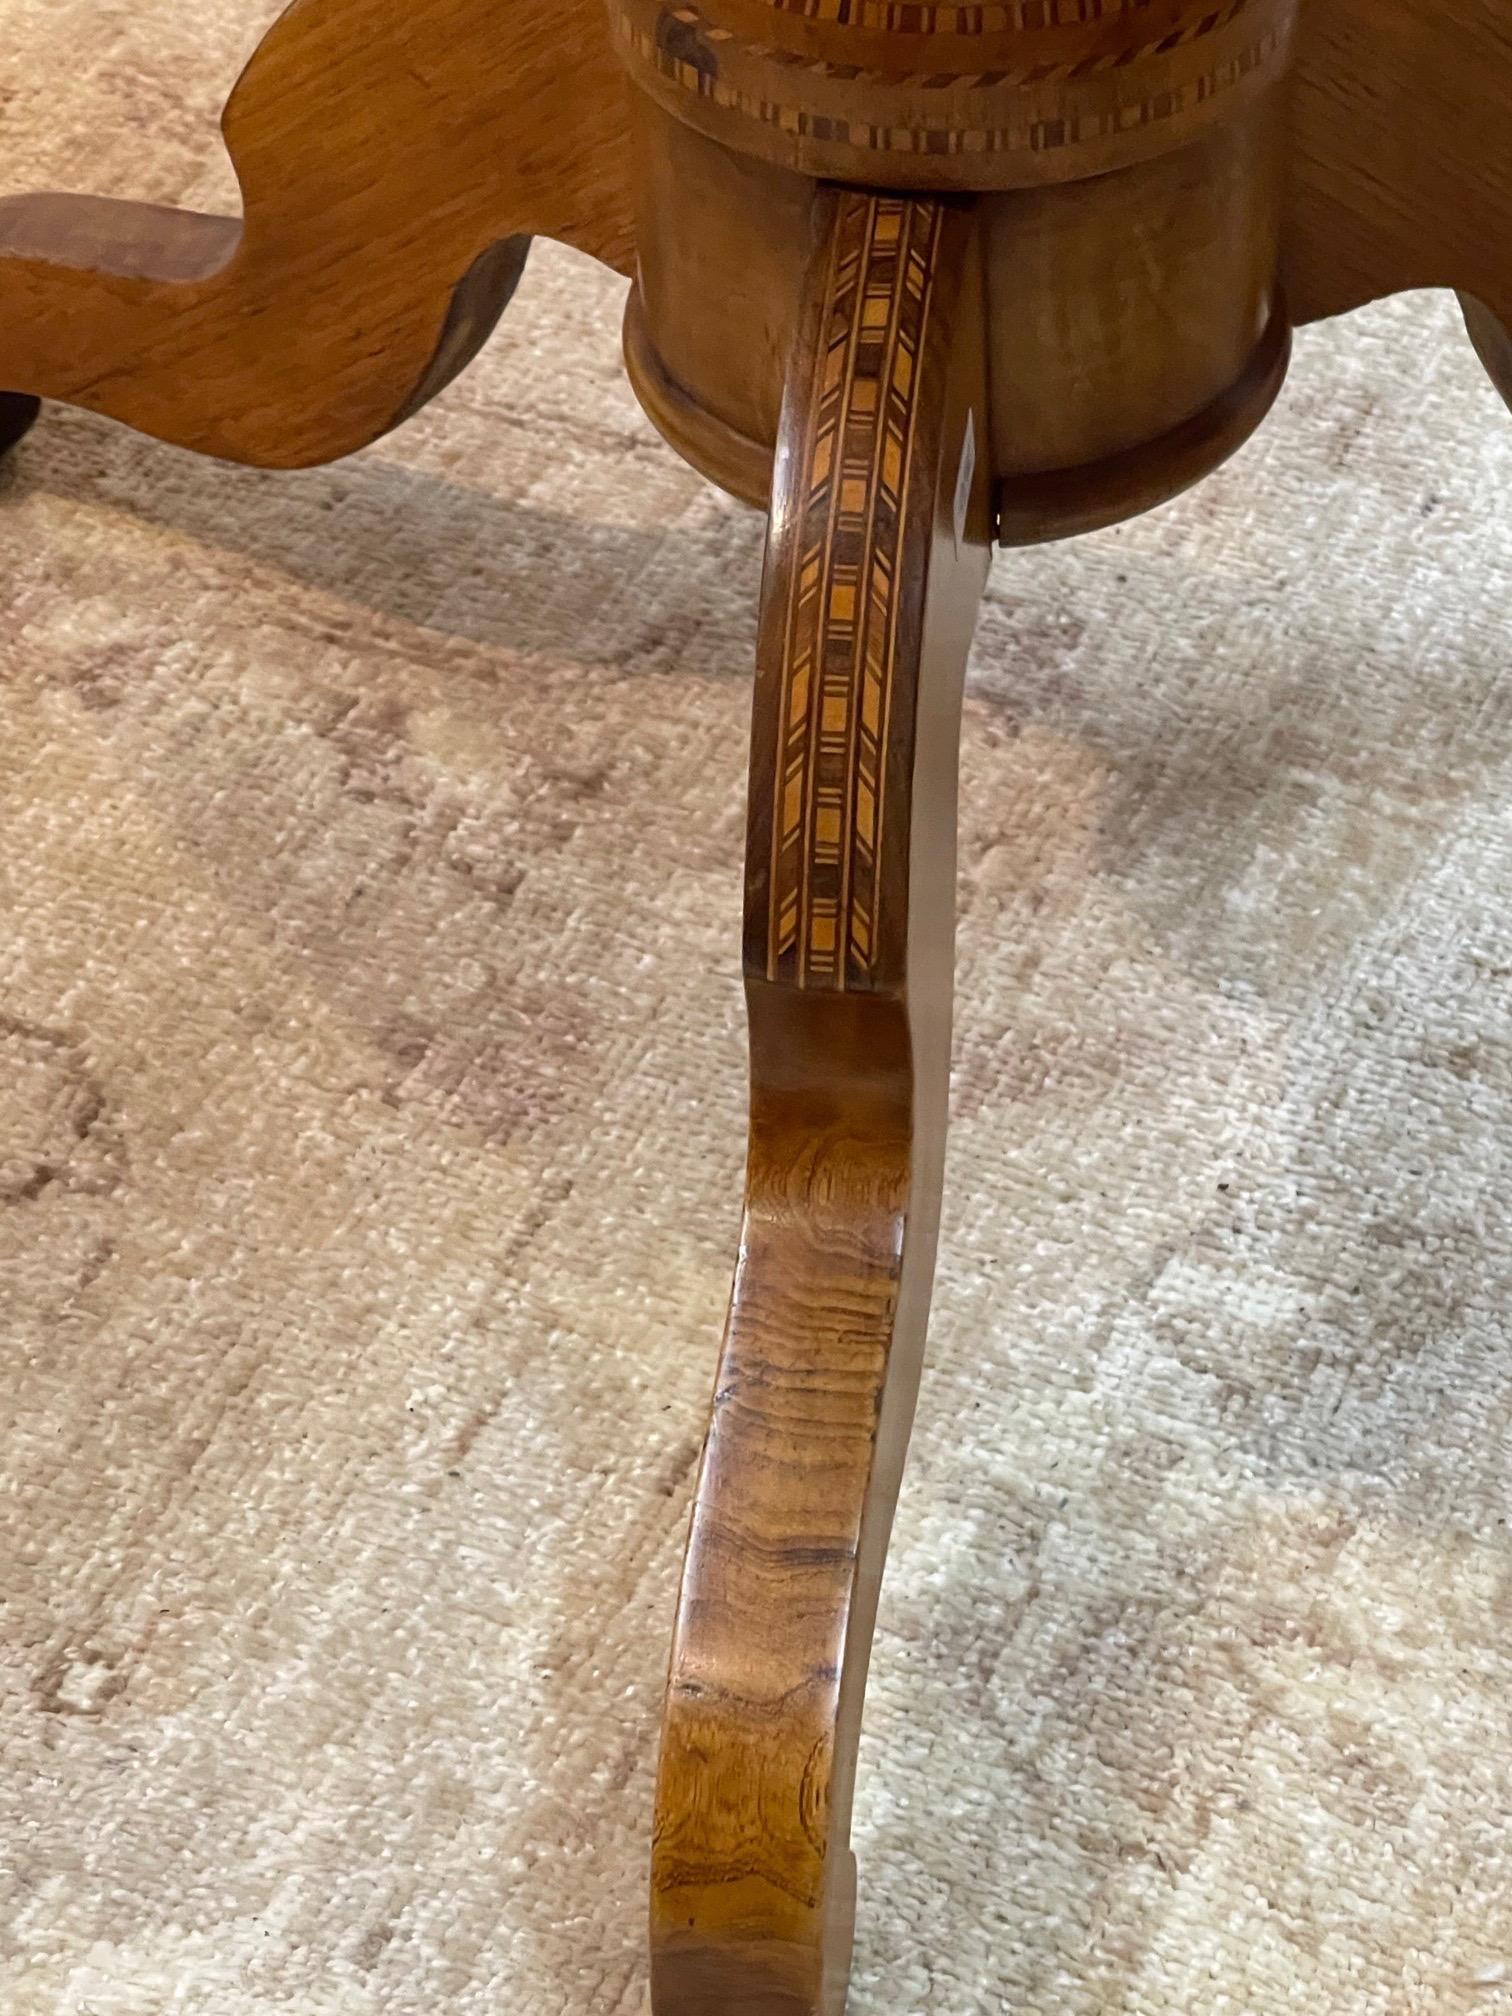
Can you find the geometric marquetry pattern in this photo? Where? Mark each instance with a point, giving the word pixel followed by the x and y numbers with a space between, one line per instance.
pixel 996 17
pixel 1142 72
pixel 961 17
pixel 829 816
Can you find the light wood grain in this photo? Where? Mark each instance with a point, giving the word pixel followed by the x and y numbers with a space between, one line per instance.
pixel 1400 153
pixel 392 161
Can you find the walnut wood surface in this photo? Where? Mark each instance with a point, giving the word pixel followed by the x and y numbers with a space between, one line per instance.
pixel 875 563
pixel 1400 153
pixel 1135 333
pixel 391 159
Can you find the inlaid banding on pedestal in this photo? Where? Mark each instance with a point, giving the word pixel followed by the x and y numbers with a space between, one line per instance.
pixel 1000 94
pixel 831 783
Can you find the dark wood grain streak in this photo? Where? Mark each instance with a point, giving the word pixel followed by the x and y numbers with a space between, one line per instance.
pixel 18 415
pixel 1492 338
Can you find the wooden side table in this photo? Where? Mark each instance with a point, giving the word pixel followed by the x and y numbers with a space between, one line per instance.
pixel 914 275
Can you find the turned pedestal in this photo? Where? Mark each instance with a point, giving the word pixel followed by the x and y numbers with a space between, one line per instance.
pixel 912 276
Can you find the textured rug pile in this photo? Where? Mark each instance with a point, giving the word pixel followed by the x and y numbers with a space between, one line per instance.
pixel 371 1087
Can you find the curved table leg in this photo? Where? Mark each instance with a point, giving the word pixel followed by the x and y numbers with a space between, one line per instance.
pixel 393 162
pixel 875 564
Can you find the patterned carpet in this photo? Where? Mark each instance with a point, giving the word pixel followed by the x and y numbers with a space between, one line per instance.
pixel 371 1085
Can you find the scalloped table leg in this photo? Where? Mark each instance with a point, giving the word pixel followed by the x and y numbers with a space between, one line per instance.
pixel 876 560
pixel 393 163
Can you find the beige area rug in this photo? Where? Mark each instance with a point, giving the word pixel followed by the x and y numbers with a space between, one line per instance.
pixel 370 1135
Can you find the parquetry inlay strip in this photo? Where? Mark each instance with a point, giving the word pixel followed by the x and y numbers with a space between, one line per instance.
pixel 829 826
